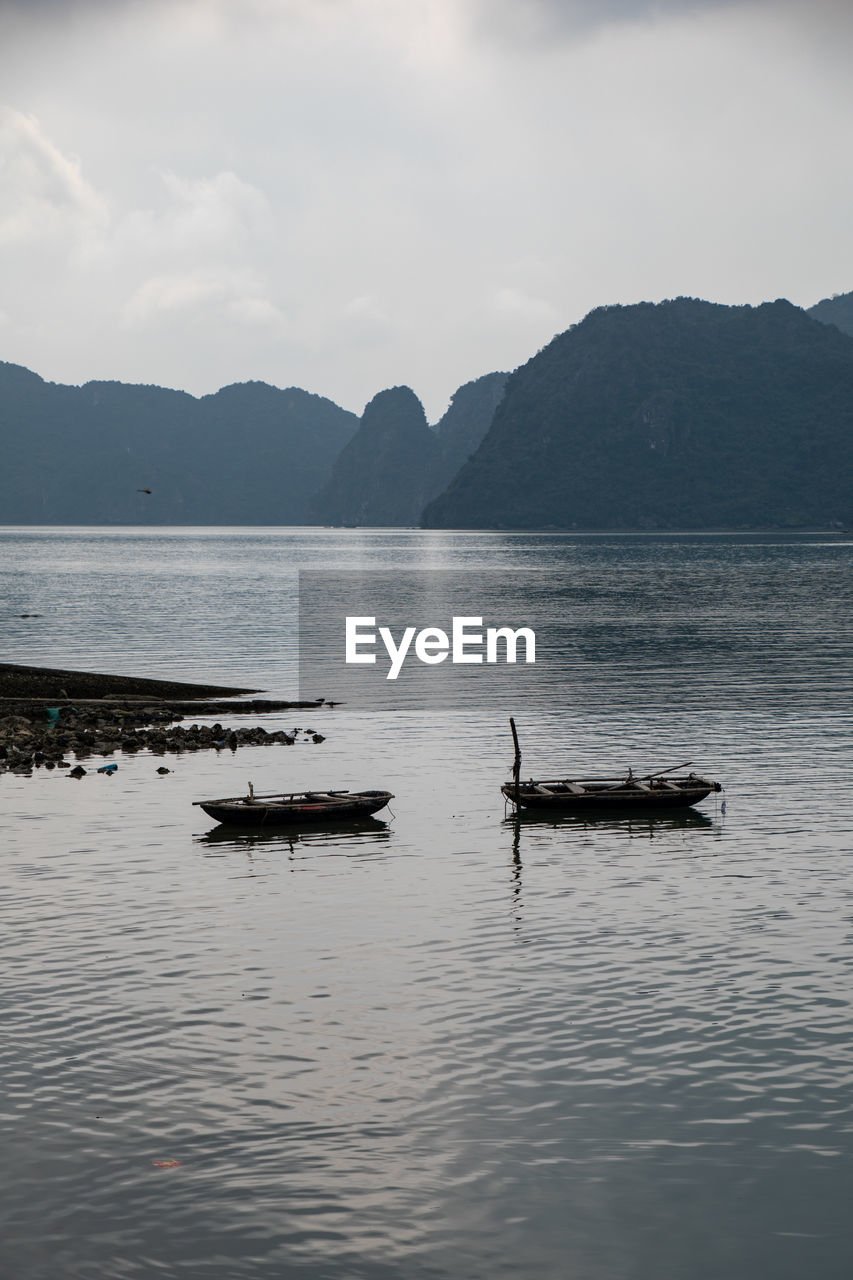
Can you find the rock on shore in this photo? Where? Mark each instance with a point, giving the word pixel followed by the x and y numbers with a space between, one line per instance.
pixel 27 742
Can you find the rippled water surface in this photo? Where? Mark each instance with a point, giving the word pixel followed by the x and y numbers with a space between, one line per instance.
pixel 440 1043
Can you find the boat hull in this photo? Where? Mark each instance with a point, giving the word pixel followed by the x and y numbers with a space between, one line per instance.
pixel 608 799
pixel 305 810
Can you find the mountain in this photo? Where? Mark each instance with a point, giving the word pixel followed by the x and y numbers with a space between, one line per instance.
pixel 395 463
pixel 379 477
pixel 678 415
pixel 837 310
pixel 250 454
pixel 464 425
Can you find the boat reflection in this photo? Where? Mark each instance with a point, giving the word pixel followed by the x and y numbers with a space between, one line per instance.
pixel 625 825
pixel 328 835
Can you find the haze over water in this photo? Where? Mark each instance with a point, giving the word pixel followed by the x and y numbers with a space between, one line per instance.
pixel 447 1043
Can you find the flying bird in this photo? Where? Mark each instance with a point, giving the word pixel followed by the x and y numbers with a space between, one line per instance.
pixel 143 490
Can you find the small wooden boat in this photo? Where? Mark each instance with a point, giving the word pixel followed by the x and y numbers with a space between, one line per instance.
pixel 295 807
pixel 650 793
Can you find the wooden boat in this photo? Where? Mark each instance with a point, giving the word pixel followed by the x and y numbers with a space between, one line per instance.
pixel 295 807
pixel 649 794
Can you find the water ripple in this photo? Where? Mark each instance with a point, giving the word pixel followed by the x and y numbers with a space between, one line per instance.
pixel 448 1042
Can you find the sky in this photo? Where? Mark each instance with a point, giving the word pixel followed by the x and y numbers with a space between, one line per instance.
pixel 348 195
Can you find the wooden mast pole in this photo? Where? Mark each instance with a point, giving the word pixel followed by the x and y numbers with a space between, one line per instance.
pixel 516 767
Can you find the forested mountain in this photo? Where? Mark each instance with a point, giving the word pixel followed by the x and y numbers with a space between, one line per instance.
pixel 683 414
pixel 464 425
pixel 380 476
pixel 678 415
pixel 837 310
pixel 250 454
pixel 396 463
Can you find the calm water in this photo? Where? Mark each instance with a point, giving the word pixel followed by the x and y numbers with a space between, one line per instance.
pixel 445 1044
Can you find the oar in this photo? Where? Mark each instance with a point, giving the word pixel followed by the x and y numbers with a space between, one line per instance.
pixel 661 772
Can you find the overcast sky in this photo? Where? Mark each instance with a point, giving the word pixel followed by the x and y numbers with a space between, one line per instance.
pixel 345 195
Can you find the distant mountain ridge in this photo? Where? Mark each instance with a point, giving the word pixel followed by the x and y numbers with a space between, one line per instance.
pixel 249 454
pixel 677 415
pixel 837 310
pixel 681 414
pixel 396 463
pixel 462 428
pixel 378 479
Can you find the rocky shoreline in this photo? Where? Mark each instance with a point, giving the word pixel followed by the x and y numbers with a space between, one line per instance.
pixel 46 729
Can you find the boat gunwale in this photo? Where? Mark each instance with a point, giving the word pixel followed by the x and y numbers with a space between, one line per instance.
pixel 286 799
pixel 692 779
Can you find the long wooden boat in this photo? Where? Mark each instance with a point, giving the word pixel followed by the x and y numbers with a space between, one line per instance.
pixel 295 807
pixel 650 793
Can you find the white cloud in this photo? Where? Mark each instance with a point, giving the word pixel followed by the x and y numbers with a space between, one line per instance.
pixel 177 293
pixel 364 321
pixel 205 292
pixel 255 312
pixel 202 226
pixel 350 194
pixel 219 214
pixel 43 194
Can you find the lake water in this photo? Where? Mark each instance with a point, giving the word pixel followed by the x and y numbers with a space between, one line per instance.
pixel 446 1044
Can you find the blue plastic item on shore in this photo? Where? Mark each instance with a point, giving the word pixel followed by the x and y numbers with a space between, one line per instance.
pixel 53 716
pixel 108 768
